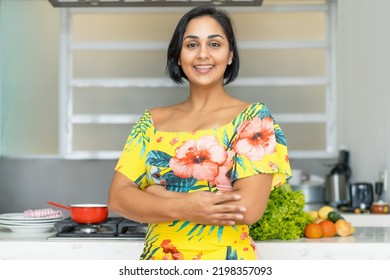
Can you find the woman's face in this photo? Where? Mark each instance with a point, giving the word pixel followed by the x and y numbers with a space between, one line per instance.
pixel 205 52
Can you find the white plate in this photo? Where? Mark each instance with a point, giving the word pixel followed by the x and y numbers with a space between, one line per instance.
pixel 26 223
pixel 19 217
pixel 30 228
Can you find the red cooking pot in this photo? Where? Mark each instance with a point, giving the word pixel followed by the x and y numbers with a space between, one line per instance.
pixel 85 213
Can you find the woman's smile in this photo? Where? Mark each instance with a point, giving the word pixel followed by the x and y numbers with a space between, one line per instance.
pixel 203 68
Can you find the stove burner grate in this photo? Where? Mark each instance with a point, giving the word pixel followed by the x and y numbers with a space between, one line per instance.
pixel 113 227
pixel 88 229
pixel 131 228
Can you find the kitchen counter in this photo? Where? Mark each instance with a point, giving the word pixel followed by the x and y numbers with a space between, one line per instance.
pixel 367 243
pixel 368 220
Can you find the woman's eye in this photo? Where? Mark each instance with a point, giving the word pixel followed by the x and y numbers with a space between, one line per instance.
pixel 191 45
pixel 215 44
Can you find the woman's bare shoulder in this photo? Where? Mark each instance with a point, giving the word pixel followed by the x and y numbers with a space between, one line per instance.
pixel 157 111
pixel 160 114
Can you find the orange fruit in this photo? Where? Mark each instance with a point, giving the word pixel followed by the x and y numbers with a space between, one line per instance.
pixel 313 230
pixel 328 228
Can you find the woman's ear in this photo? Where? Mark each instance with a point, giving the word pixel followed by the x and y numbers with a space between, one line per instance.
pixel 230 58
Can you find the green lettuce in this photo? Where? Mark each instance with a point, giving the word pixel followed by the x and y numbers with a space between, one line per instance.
pixel 284 217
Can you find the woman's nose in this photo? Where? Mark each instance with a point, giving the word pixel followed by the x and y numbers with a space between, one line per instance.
pixel 203 53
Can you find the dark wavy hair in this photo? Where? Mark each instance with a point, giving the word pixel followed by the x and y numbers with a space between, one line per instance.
pixel 173 68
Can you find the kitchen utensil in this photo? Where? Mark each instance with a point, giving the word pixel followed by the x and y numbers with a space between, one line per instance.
pixel 296 178
pixel 361 195
pixel 85 213
pixel 18 223
pixel 379 207
pixel 336 190
pixel 379 190
pixel 313 193
pixel 39 228
pixel 20 218
pixel 337 182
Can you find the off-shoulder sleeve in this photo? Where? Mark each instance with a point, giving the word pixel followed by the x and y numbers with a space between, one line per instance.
pixel 132 160
pixel 260 147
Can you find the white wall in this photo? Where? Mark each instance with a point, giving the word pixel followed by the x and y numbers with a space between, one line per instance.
pixel 363 85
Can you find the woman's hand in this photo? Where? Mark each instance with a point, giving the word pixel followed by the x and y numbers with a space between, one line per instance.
pixel 213 208
pixel 205 207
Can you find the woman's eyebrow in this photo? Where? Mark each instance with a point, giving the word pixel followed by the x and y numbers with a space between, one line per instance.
pixel 197 37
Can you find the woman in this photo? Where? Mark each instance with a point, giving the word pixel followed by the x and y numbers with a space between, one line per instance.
pixel 200 172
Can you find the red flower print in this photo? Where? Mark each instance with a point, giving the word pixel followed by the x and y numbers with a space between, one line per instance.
pixel 169 248
pixel 222 180
pixel 174 141
pixel 199 158
pixel 244 235
pixel 178 256
pixel 253 244
pixel 197 257
pixel 273 165
pixel 256 138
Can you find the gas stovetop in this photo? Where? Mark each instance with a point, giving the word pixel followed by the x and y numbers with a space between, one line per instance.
pixel 113 227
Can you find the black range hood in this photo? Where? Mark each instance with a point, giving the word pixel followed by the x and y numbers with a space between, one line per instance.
pixel 151 3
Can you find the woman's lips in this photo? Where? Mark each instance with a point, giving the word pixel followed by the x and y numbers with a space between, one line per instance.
pixel 203 68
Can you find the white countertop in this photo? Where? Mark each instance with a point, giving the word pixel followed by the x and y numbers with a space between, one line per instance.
pixel 367 243
pixel 368 220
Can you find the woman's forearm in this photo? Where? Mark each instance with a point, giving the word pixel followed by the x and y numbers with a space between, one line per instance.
pixel 254 191
pixel 141 206
pixel 126 199
pixel 163 192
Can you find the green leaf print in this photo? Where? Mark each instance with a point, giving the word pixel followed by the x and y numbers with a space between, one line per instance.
pixel 238 161
pixel 149 241
pixel 139 133
pixel 280 137
pixel 184 225
pixel 191 231
pixel 220 231
pixel 177 184
pixel 140 179
pixel 158 158
pixel 231 254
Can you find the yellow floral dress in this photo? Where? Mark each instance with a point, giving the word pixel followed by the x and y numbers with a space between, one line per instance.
pixel 204 160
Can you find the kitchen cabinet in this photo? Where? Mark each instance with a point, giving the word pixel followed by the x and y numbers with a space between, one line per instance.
pixel 366 243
